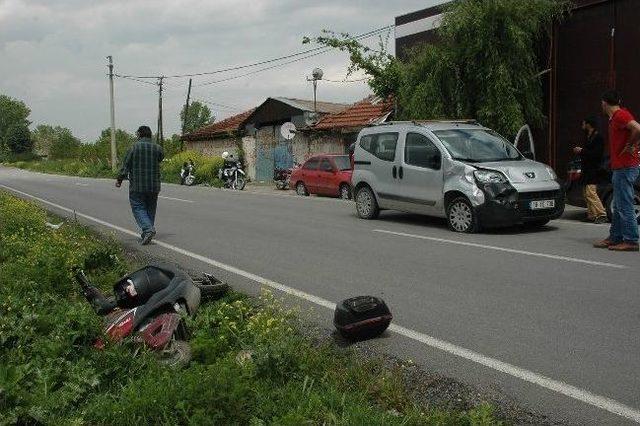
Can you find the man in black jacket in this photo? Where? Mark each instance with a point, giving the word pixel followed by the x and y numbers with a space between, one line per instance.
pixel 592 172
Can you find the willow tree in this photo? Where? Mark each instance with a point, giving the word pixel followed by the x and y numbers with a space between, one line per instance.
pixel 485 64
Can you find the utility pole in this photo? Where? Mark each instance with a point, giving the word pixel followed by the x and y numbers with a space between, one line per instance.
pixel 186 109
pixel 114 152
pixel 159 135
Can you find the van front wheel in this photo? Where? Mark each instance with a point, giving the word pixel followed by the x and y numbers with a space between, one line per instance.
pixel 366 204
pixel 461 217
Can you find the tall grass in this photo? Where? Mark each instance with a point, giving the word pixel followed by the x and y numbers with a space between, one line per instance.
pixel 250 364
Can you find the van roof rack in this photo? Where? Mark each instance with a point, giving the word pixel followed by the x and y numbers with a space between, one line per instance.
pixel 423 122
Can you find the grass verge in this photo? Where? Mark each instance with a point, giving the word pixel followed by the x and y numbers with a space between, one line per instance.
pixel 206 167
pixel 251 365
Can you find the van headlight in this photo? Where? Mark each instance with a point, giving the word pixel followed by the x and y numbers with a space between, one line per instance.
pixel 489 176
pixel 552 173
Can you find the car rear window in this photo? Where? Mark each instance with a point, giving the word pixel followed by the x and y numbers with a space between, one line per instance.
pixel 343 162
pixel 382 145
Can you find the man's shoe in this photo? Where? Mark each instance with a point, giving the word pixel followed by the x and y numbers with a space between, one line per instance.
pixel 147 237
pixel 600 220
pixel 604 244
pixel 625 246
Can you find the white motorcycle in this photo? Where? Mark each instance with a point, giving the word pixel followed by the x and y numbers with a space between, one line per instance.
pixel 232 176
pixel 188 175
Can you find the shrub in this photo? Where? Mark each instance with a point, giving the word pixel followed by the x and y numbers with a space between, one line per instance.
pixel 206 167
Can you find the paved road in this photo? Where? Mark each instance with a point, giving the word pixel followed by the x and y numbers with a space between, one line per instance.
pixel 540 315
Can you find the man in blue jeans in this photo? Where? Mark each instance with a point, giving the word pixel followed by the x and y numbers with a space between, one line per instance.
pixel 142 166
pixel 624 137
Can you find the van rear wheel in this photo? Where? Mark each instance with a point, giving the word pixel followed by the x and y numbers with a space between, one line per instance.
pixel 461 217
pixel 366 204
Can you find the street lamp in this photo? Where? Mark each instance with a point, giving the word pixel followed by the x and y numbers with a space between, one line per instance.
pixel 316 75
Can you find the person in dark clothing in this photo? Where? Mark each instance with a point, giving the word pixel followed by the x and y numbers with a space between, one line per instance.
pixel 141 166
pixel 591 154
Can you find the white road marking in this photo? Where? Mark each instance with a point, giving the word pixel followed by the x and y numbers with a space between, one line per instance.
pixel 82 184
pixel 175 199
pixel 504 249
pixel 557 386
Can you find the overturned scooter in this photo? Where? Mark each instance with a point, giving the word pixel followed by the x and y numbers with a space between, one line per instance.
pixel 150 304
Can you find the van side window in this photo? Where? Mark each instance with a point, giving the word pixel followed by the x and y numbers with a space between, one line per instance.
pixel 382 145
pixel 421 152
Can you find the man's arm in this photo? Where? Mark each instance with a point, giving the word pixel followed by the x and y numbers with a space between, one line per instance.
pixel 125 169
pixel 634 138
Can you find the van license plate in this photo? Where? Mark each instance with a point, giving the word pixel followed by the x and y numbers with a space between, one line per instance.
pixel 542 204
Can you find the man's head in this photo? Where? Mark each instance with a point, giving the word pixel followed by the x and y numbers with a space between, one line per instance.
pixel 611 101
pixel 589 124
pixel 143 132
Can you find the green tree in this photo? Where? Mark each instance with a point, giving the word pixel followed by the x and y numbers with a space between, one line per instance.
pixel 14 124
pixel 172 146
pixel 485 64
pixel 199 115
pixel 56 142
pixel 18 139
pixel 100 150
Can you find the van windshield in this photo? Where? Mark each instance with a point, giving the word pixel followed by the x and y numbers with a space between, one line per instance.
pixel 477 145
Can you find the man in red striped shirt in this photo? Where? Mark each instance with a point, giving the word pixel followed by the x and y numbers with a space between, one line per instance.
pixel 624 138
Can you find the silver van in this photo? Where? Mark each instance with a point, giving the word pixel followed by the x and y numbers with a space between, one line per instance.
pixel 458 170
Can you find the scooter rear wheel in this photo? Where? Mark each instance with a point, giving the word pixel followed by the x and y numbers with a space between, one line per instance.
pixel 177 354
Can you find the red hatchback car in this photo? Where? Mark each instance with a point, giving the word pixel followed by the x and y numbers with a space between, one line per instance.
pixel 324 175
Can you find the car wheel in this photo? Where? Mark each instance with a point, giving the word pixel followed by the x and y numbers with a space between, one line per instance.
pixel 366 204
pixel 461 217
pixel 301 190
pixel 345 191
pixel 610 206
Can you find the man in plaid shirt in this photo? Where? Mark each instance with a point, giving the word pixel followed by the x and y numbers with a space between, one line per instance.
pixel 142 167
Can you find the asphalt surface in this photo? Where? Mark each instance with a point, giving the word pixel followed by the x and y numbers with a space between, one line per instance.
pixel 538 315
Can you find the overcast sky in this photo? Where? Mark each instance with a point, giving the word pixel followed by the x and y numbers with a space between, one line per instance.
pixel 52 54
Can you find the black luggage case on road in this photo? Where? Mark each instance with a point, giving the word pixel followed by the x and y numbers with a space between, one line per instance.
pixel 362 317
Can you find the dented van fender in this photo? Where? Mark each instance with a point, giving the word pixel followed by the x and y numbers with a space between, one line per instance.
pixel 458 177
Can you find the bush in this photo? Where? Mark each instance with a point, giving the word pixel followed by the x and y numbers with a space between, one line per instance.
pixel 206 167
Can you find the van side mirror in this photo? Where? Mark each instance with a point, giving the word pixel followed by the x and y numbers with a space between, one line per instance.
pixel 529 155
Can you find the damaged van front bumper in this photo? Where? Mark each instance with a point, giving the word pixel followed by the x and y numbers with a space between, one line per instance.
pixel 504 205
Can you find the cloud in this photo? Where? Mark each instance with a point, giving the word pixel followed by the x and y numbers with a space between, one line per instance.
pixel 53 53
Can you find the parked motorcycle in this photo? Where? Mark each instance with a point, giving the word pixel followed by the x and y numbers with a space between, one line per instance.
pixel 282 177
pixel 188 174
pixel 150 305
pixel 232 175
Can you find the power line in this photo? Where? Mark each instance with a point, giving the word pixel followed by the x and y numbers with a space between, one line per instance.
pixel 263 69
pixel 268 61
pixel 346 81
pixel 135 79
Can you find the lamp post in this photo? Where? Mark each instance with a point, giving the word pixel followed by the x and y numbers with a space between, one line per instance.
pixel 316 75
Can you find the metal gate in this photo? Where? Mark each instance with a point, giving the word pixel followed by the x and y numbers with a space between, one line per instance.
pixel 269 157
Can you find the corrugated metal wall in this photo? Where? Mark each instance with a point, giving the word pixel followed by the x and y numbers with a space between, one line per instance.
pixel 595 49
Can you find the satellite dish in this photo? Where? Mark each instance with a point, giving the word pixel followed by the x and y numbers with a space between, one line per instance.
pixel 317 74
pixel 288 130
